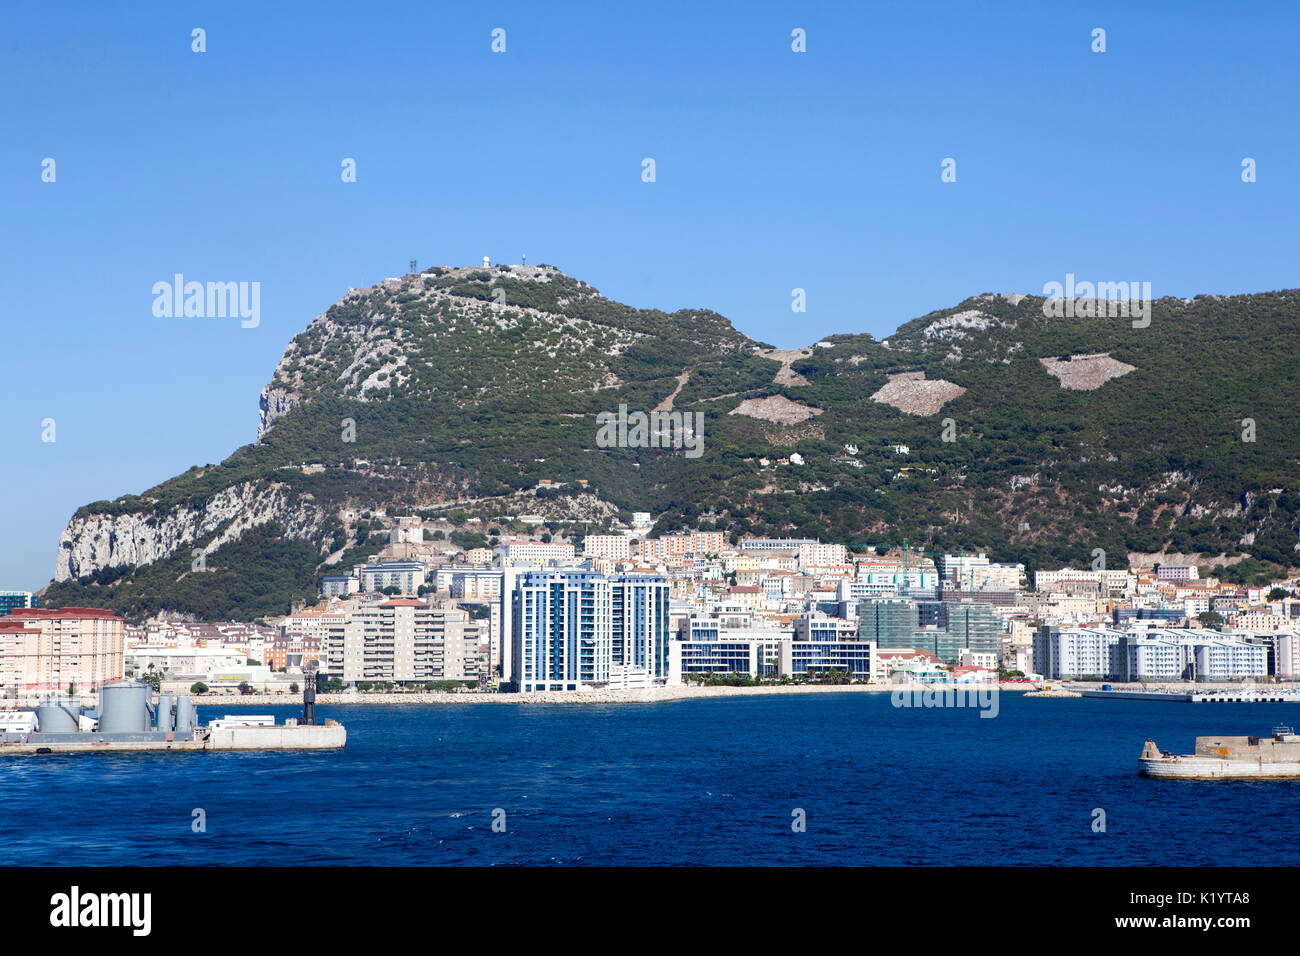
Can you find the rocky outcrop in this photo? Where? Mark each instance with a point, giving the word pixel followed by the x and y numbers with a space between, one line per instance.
pixel 959 324
pixel 94 542
pixel 371 344
pixel 274 403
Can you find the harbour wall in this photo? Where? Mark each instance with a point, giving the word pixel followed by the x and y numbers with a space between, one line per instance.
pixel 1208 768
pixel 327 736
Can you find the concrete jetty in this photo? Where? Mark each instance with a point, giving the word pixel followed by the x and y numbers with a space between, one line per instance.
pixel 330 735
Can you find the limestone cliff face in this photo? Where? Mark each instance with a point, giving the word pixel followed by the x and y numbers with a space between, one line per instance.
pixel 93 542
pixel 275 402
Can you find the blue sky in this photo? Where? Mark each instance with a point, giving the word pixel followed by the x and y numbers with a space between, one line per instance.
pixel 775 170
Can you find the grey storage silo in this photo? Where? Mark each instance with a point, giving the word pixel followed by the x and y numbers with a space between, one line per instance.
pixel 124 707
pixel 185 716
pixel 167 712
pixel 58 715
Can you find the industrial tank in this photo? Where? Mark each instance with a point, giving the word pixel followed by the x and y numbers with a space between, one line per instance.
pixel 58 715
pixel 186 719
pixel 167 712
pixel 124 707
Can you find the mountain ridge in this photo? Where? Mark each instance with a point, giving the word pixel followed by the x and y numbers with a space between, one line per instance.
pixel 1033 438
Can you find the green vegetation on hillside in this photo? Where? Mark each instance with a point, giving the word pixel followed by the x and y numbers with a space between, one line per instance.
pixel 259 575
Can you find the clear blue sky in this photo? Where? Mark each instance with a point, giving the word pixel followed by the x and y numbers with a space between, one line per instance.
pixel 775 170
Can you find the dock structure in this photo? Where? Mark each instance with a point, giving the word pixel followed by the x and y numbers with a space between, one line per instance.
pixel 1275 757
pixel 1138 695
pixel 330 735
pixel 129 721
pixel 1251 695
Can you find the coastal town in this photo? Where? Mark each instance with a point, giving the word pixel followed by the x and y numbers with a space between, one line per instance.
pixel 626 611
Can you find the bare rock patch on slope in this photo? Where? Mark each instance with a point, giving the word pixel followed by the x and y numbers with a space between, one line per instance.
pixel 777 409
pixel 785 375
pixel 667 404
pixel 1086 372
pixel 913 393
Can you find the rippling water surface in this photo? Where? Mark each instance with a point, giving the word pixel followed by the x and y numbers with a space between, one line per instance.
pixel 690 782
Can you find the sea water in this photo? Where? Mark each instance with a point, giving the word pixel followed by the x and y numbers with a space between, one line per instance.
pixel 822 779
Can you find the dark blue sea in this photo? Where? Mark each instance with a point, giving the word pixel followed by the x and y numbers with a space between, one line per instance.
pixel 711 782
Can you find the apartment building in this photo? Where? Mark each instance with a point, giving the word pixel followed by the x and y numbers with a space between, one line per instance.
pixel 286 652
pixel 406 576
pixel 340 585
pixel 976 572
pixel 1147 654
pixel 816 626
pixel 181 658
pixel 615 547
pixel 406 641
pixel 520 551
pixel 660 550
pixel 976 627
pixel 1286 653
pixel 1258 620
pixel 810 658
pixel 306 635
pixel 1074 653
pixel 1187 654
pixel 20 666
pixel 1106 582
pixel 980 660
pixel 47 649
pixel 12 600
pixel 474 584
pixel 574 629
pixel 711 656
pixel 815 554
pixel 794 545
